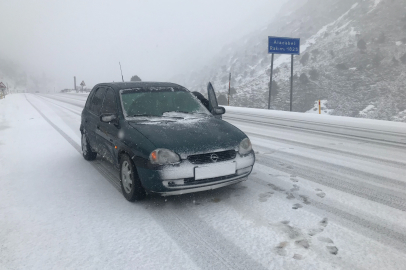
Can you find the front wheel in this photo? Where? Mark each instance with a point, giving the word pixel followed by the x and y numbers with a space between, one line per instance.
pixel 130 182
pixel 87 151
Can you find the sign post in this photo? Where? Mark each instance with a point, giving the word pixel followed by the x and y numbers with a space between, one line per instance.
pixel 283 45
pixel 82 84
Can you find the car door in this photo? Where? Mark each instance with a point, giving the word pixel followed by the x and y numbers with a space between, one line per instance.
pixel 108 132
pixel 93 117
pixel 212 99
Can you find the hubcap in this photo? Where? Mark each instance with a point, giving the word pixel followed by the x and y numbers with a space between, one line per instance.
pixel 126 177
pixel 84 144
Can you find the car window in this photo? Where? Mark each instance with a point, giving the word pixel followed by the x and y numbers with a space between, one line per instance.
pixel 97 100
pixel 157 101
pixel 89 98
pixel 109 103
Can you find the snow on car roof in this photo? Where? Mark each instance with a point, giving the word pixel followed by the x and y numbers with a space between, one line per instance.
pixel 128 85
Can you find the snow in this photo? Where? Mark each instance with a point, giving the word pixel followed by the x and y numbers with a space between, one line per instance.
pixel 398 43
pixel 375 4
pixel 307 196
pixel 343 26
pixel 315 120
pixel 58 213
pixel 367 109
pixel 352 69
pixel 312 40
pixel 353 32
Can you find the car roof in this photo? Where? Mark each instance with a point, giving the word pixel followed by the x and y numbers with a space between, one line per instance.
pixel 130 85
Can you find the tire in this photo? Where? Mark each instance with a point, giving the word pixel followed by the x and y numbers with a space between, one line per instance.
pixel 87 151
pixel 130 182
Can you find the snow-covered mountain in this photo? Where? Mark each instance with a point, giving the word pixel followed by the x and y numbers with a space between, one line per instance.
pixel 353 56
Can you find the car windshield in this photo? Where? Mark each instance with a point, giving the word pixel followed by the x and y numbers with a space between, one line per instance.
pixel 160 101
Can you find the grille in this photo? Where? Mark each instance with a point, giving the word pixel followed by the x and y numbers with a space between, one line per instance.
pixel 207 157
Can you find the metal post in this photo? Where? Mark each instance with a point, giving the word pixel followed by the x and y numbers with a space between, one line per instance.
pixel 291 83
pixel 229 87
pixel 319 107
pixel 270 84
pixel 74 82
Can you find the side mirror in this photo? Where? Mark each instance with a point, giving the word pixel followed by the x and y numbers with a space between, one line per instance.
pixel 107 118
pixel 219 111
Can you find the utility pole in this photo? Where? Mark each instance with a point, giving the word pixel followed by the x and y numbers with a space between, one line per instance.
pixel 74 82
pixel 229 89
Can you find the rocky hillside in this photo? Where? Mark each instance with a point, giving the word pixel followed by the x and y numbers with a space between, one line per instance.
pixel 353 56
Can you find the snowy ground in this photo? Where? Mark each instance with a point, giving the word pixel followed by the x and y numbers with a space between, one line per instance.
pixel 314 201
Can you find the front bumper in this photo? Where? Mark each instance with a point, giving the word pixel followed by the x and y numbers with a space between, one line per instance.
pixel 180 178
pixel 210 186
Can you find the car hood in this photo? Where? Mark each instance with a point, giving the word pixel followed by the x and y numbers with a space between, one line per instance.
pixel 188 136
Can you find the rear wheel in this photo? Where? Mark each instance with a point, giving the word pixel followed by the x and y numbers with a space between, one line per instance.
pixel 130 182
pixel 87 151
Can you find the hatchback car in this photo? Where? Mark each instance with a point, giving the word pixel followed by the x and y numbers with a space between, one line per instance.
pixel 162 139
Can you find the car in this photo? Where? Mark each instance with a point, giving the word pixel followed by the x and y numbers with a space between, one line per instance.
pixel 162 139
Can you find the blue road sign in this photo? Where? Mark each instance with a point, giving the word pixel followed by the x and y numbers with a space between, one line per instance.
pixel 283 45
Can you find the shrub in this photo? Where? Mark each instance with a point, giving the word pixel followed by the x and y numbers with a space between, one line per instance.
pixel 304 59
pixel 222 100
pixel 403 59
pixel 341 66
pixel 135 78
pixel 381 39
pixel 303 78
pixel 314 74
pixel 361 44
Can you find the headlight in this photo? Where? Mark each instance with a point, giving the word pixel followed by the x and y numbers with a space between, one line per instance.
pixel 163 156
pixel 245 147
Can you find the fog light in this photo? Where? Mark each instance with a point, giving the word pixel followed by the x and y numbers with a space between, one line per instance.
pixel 244 170
pixel 178 182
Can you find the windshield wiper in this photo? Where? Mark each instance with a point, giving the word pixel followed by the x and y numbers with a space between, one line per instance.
pixel 144 114
pixel 175 112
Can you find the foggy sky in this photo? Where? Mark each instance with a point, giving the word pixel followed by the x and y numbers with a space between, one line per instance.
pixel 153 39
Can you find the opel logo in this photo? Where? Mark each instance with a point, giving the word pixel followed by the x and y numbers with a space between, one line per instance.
pixel 214 157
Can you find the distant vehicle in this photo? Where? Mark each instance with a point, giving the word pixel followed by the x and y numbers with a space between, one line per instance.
pixel 162 139
pixel 36 91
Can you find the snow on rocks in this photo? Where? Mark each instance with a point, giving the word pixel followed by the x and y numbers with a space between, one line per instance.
pixel 367 109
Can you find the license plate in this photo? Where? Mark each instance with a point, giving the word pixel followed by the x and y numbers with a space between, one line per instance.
pixel 215 170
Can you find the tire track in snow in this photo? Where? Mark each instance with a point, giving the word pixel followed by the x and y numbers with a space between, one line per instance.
pixel 392 163
pixel 393 238
pixel 351 173
pixel 202 243
pixel 360 189
pixel 44 98
pixel 61 99
pixel 313 131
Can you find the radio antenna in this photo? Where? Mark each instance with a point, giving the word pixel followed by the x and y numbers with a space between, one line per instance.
pixel 121 72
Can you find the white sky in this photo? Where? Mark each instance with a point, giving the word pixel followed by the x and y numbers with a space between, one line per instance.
pixel 153 39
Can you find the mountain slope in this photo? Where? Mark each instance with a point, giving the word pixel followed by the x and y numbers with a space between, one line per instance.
pixel 353 55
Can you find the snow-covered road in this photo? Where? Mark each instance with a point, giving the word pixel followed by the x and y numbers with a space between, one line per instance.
pixel 314 201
